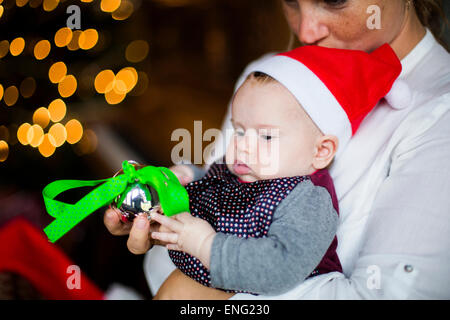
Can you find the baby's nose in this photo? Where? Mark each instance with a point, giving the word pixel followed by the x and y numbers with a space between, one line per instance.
pixel 247 142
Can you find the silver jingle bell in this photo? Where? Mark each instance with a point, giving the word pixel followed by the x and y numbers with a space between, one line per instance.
pixel 141 198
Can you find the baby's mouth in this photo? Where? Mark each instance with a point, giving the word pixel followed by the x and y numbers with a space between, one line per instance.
pixel 240 168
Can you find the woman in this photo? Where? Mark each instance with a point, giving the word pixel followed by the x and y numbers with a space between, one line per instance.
pixel 393 179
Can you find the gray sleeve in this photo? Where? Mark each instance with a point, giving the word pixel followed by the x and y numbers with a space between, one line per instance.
pixel 303 228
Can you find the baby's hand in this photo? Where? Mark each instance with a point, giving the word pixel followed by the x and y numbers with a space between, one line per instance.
pixel 189 234
pixel 184 173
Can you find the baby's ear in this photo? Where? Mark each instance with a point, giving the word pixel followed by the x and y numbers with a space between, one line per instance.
pixel 325 149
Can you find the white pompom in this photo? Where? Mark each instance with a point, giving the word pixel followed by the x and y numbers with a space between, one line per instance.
pixel 400 96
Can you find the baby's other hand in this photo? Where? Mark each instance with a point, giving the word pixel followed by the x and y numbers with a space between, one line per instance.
pixel 187 233
pixel 183 172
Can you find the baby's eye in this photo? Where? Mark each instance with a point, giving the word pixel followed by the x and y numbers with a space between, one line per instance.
pixel 239 132
pixel 265 137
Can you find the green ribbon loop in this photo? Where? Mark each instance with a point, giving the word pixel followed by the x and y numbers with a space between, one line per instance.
pixel 172 195
pixel 130 172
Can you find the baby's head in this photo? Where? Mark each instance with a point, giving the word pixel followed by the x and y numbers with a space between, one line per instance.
pixel 274 137
pixel 297 110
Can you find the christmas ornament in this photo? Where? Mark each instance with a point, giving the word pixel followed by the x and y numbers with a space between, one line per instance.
pixel 133 190
pixel 139 198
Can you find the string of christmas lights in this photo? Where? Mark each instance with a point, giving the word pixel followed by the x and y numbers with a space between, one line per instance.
pixel 50 126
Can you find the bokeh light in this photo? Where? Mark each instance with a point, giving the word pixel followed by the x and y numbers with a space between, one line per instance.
pixel 42 49
pixel 124 11
pixel 88 39
pixel 41 117
pixel 21 3
pixel 1 92
pixel 22 133
pixel 27 87
pixel 137 51
pixel 74 131
pixel 57 134
pixel 46 148
pixel 35 135
pixel 129 77
pixel 57 72
pixel 67 86
pixel 63 37
pixel 87 144
pixel 74 42
pixel 16 46
pixel 4 133
pixel 119 86
pixel 113 97
pixel 57 110
pixel 109 5
pixel 141 85
pixel 35 3
pixel 11 95
pixel 4 150
pixel 103 80
pixel 1 10
pixel 4 48
pixel 50 5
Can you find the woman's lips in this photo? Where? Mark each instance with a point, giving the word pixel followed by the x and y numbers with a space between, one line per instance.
pixel 240 168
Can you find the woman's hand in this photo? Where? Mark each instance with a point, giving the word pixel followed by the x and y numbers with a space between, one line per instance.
pixel 139 241
pixel 179 286
pixel 186 233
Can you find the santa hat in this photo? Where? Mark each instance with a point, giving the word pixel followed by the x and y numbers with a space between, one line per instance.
pixel 25 250
pixel 336 87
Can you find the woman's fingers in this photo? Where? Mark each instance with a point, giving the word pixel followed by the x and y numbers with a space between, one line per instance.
pixel 169 238
pixel 115 226
pixel 138 240
pixel 169 223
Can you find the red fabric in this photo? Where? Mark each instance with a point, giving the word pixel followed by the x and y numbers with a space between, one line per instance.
pixel 330 261
pixel 358 80
pixel 26 251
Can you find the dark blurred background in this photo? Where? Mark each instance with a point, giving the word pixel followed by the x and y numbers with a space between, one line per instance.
pixel 187 55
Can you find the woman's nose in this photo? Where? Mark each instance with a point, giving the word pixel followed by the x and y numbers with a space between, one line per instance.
pixel 311 30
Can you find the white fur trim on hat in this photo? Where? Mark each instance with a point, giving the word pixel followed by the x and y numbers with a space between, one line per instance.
pixel 311 93
pixel 400 96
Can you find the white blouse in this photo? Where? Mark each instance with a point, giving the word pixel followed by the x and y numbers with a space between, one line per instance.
pixel 393 185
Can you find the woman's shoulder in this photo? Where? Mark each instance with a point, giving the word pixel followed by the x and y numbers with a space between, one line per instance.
pixel 425 125
pixel 428 70
pixel 428 76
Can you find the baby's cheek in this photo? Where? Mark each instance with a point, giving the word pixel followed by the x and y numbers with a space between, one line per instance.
pixel 230 154
pixel 269 159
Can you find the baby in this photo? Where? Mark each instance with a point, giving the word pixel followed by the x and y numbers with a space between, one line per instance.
pixel 266 219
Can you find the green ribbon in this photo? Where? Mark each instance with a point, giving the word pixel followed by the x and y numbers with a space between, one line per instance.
pixel 172 195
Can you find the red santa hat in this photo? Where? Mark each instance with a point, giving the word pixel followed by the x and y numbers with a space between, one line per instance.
pixel 336 87
pixel 25 250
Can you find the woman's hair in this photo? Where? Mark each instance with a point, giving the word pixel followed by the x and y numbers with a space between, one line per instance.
pixel 431 15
